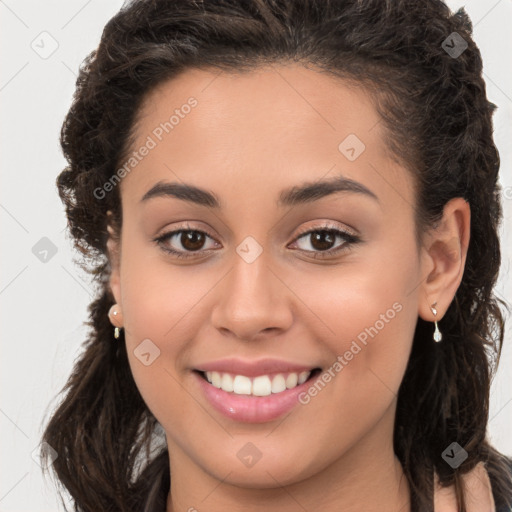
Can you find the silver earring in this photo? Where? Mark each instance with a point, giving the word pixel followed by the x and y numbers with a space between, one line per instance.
pixel 437 333
pixel 116 333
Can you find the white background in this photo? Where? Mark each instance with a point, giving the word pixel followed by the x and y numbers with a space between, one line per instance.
pixel 43 305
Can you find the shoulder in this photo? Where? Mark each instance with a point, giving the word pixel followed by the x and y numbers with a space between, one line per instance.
pixel 507 508
pixel 479 492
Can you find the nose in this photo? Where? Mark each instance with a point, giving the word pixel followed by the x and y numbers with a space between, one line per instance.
pixel 253 301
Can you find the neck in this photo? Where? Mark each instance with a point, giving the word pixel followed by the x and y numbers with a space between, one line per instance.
pixel 367 477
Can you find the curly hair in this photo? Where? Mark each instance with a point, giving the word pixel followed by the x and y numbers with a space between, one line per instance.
pixel 438 123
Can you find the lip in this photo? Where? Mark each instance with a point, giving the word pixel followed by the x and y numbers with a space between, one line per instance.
pixel 252 409
pixel 265 366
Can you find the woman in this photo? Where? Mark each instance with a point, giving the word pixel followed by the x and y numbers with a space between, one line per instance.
pixel 291 210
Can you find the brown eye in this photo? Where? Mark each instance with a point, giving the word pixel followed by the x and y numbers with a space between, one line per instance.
pixel 192 240
pixel 183 243
pixel 322 241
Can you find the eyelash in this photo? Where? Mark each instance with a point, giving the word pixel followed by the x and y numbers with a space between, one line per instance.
pixel 350 240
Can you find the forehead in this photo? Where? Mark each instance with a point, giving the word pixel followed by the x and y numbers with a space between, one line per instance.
pixel 262 129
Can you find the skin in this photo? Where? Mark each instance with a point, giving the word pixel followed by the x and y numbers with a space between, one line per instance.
pixel 249 137
pixel 478 493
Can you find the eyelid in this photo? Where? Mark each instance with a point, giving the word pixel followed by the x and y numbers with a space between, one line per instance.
pixel 326 227
pixel 184 227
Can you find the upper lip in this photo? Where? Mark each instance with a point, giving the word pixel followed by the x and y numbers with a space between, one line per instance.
pixel 254 368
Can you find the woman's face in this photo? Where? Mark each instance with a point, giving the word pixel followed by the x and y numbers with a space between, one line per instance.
pixel 254 287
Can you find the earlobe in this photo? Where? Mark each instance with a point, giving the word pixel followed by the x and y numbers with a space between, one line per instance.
pixel 446 249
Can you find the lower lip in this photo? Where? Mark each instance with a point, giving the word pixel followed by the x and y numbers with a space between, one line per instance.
pixel 252 409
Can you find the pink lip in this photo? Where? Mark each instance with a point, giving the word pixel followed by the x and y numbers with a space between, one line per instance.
pixel 252 409
pixel 253 368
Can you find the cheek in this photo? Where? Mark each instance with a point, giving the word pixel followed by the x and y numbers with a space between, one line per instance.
pixel 372 331
pixel 368 323
pixel 157 302
pixel 366 312
pixel 157 296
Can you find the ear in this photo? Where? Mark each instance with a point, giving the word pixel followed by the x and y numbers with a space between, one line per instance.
pixel 114 256
pixel 444 257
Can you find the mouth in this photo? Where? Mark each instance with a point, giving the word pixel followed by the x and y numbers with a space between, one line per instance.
pixel 259 386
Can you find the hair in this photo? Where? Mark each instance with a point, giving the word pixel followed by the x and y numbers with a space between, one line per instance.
pixel 437 121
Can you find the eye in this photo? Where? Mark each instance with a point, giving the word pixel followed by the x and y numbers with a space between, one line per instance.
pixel 322 238
pixel 191 241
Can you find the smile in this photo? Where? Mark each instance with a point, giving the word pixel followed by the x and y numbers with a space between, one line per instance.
pixel 263 385
pixel 254 399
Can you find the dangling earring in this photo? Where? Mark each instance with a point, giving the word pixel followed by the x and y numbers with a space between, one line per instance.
pixel 117 330
pixel 437 333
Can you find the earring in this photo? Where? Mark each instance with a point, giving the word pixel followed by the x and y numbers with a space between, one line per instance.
pixel 117 330
pixel 437 333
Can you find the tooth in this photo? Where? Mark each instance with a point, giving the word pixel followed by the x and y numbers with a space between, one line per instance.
pixel 278 383
pixel 303 377
pixel 216 379
pixel 291 380
pixel 242 385
pixel 227 382
pixel 262 386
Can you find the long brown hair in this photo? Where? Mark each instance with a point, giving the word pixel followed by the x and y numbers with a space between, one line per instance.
pixel 438 123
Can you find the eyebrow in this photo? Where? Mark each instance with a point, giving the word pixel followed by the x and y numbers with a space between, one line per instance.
pixel 293 196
